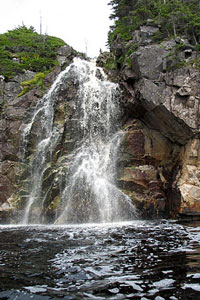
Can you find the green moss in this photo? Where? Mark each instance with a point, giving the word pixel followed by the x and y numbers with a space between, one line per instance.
pixel 170 54
pixel 133 168
pixel 130 49
pixel 177 65
pixel 197 47
pixel 195 63
pixel 180 46
pixel 55 203
pixel 110 64
pixel 2 94
pixel 128 62
pixel 38 80
pixel 120 61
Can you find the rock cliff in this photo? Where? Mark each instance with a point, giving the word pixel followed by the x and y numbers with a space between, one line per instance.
pixel 159 163
pixel 16 112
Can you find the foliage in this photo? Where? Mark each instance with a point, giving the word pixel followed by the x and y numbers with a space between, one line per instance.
pixel 110 64
pixel 197 47
pixel 174 17
pixel 24 49
pixel 37 80
pixel 131 48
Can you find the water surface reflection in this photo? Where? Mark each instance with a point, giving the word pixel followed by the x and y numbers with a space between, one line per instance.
pixel 138 260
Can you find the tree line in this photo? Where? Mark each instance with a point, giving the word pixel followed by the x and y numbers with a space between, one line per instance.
pixel 173 17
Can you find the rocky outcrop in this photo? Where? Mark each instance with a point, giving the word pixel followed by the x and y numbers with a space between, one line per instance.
pixel 64 55
pixel 16 111
pixel 159 166
pixel 147 162
pixel 15 114
pixel 188 178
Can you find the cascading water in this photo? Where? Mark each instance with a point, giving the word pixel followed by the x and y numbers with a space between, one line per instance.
pixel 90 193
pixel 47 136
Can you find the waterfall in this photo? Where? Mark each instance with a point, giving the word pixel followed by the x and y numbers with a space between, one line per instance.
pixel 90 193
pixel 47 136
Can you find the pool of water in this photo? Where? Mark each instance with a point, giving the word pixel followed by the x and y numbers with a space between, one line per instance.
pixel 140 260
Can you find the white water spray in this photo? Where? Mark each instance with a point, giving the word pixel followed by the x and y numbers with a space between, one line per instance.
pixel 90 193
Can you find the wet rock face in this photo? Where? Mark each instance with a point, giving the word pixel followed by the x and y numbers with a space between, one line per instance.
pixel 16 112
pixel 165 100
pixel 160 152
pixel 147 162
pixel 13 112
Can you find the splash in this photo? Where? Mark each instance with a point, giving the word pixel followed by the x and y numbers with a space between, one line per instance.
pixel 90 193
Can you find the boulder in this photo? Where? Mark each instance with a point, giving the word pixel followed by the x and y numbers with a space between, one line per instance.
pixel 146 32
pixel 63 54
pixel 150 61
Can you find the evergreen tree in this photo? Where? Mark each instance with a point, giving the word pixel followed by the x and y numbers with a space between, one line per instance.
pixel 174 17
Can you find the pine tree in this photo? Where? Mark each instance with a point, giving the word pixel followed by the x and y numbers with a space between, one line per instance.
pixel 174 17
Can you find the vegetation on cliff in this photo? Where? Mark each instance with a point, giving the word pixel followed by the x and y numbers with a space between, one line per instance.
pixel 24 49
pixel 173 17
pixel 138 23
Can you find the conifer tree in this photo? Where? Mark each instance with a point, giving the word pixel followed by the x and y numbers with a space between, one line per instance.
pixel 174 17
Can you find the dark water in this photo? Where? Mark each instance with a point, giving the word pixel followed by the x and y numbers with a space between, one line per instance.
pixel 138 260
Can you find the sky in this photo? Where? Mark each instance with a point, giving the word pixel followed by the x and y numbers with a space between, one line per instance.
pixel 83 24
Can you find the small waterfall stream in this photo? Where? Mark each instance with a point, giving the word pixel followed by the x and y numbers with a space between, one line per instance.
pixel 47 138
pixel 90 193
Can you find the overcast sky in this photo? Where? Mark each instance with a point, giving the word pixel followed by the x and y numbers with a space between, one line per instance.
pixel 83 24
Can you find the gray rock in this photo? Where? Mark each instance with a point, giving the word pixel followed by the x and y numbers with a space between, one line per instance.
pixel 118 48
pixel 177 77
pixel 65 51
pixel 2 89
pixel 150 61
pixel 161 119
pixel 151 93
pixel 136 37
pixel 13 87
pixel 146 32
pixel 184 91
pixel 168 45
pixel 135 65
pixel 63 54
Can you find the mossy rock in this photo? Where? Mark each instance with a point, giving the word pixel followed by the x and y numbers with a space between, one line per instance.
pixel 17 201
pixel 36 81
pixel 54 204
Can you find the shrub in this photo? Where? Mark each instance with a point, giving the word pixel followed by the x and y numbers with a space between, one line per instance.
pixel 34 51
pixel 37 80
